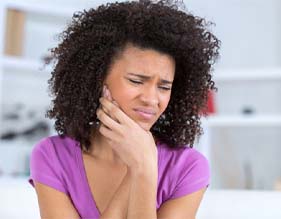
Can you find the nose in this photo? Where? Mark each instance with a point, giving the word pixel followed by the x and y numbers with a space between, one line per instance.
pixel 149 96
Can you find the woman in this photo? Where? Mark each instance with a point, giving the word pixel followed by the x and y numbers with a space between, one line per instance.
pixel 129 84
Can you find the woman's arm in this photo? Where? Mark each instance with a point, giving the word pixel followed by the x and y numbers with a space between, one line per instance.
pixel 136 147
pixel 54 204
pixel 184 207
pixel 142 201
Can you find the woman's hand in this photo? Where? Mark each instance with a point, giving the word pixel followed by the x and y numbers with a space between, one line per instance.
pixel 134 145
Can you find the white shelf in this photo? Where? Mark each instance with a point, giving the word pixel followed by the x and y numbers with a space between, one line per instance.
pixel 42 8
pixel 244 121
pixel 12 62
pixel 247 74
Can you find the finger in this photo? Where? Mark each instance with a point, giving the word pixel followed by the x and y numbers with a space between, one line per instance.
pixel 108 113
pixel 108 133
pixel 107 120
pixel 106 94
pixel 115 111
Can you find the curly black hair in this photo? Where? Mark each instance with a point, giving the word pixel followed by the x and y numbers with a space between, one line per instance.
pixel 93 40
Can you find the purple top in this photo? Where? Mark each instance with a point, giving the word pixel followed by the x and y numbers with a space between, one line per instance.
pixel 57 162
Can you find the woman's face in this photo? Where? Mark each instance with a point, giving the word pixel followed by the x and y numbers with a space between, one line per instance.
pixel 140 81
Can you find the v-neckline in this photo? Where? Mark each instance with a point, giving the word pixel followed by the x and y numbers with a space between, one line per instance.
pixel 85 180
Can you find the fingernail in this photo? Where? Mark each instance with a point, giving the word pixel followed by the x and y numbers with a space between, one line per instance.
pixel 107 93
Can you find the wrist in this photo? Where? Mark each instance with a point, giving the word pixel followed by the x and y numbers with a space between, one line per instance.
pixel 143 170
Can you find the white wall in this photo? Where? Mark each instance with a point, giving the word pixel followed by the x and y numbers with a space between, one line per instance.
pixel 250 30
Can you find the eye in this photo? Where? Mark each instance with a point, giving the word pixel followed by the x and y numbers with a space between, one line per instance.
pixel 135 82
pixel 165 88
pixel 140 82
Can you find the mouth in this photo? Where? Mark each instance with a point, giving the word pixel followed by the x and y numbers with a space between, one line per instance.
pixel 145 114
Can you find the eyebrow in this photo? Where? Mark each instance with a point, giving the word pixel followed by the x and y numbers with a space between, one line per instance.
pixel 148 77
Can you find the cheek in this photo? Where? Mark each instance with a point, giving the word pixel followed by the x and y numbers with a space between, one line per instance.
pixel 123 96
pixel 164 102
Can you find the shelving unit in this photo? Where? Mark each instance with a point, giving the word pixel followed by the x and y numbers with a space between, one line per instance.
pixel 10 62
pixel 247 74
pixel 39 8
pixel 245 121
pixel 245 133
pixel 23 78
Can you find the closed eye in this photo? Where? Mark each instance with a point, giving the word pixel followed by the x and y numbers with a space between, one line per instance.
pixel 135 82
pixel 165 88
pixel 140 82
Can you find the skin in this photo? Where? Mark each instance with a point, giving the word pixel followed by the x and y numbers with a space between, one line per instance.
pixel 127 95
pixel 139 78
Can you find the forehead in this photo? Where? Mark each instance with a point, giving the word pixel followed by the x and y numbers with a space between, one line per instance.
pixel 147 62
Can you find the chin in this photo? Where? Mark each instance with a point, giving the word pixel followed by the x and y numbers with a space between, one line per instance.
pixel 145 126
pixel 143 123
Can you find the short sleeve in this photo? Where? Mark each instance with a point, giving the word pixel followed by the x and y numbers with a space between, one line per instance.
pixel 44 168
pixel 195 175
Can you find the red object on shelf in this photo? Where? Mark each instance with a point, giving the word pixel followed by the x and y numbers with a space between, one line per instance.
pixel 210 104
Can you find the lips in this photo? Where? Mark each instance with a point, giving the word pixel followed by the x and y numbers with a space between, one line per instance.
pixel 145 113
pixel 146 110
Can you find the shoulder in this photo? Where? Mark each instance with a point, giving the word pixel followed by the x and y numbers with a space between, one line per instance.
pixel 54 151
pixel 55 145
pixel 181 156
pixel 52 160
pixel 185 169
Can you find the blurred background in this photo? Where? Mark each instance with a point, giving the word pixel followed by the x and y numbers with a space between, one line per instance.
pixel 242 134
